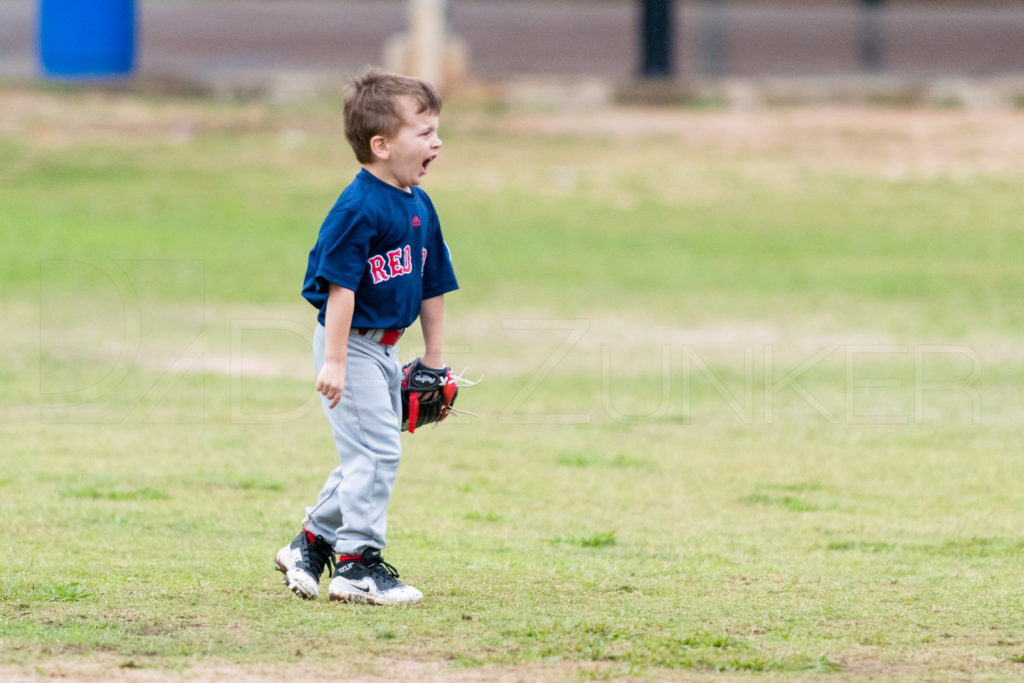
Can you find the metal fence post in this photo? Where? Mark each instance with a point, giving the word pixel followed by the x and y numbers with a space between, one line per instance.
pixel 656 36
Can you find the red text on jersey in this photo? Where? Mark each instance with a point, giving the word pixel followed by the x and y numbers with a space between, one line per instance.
pixel 395 263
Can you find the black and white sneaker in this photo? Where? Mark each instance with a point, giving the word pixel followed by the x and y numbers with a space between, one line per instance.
pixel 370 579
pixel 303 561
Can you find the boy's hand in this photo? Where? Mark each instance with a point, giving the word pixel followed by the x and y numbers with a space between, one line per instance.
pixel 331 382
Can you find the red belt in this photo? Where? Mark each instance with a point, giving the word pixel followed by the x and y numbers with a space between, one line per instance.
pixel 387 337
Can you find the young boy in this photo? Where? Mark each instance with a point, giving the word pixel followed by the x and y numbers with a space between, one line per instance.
pixel 379 262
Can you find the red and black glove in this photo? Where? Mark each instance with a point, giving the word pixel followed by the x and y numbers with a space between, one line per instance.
pixel 427 394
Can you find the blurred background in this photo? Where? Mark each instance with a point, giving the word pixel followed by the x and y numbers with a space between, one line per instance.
pixel 289 49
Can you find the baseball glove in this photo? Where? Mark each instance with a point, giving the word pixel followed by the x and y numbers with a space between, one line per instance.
pixel 427 394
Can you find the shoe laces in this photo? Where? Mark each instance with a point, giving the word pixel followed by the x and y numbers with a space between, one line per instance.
pixel 376 565
pixel 322 554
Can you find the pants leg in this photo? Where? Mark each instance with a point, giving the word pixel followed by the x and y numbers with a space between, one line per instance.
pixel 351 509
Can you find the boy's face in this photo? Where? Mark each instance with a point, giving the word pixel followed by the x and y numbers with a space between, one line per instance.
pixel 409 151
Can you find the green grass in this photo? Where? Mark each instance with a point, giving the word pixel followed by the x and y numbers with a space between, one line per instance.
pixel 742 412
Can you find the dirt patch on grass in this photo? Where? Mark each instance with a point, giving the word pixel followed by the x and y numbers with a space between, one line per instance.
pixel 105 668
pixel 890 143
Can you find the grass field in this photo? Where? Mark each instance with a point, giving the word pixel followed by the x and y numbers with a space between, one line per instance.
pixel 752 399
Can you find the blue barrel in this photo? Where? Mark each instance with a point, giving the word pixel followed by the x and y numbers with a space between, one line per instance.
pixel 87 38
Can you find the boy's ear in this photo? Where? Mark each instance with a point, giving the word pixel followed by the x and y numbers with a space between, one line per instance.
pixel 379 147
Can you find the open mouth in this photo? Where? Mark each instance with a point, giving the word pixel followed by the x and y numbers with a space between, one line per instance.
pixel 426 162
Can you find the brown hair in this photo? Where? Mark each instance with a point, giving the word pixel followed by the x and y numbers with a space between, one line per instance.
pixel 371 107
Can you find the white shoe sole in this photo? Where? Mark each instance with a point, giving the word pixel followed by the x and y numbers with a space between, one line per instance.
pixel 343 591
pixel 298 581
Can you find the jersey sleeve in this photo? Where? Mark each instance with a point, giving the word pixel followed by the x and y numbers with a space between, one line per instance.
pixel 342 250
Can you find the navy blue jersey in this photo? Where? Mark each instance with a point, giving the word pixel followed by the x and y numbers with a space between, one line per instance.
pixel 384 244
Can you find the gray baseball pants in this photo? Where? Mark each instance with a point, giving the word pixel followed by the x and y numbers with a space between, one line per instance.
pixel 351 509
